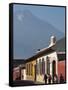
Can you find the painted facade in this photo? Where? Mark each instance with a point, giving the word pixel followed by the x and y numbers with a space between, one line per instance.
pixel 30 70
pixel 47 66
pixel 23 74
pixel 16 73
pixel 61 69
pixel 46 61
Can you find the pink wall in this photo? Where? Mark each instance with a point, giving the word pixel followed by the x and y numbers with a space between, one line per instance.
pixel 16 74
pixel 61 68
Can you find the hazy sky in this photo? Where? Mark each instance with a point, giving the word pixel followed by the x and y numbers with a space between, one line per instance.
pixel 54 15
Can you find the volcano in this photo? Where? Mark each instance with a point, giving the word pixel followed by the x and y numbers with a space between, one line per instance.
pixel 31 33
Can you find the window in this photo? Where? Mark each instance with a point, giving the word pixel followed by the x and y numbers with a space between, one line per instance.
pixel 48 65
pixel 53 67
pixel 40 66
pixel 43 66
pixel 27 69
pixel 38 69
pixel 31 69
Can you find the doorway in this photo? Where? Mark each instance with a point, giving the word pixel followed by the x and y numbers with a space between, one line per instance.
pixel 53 68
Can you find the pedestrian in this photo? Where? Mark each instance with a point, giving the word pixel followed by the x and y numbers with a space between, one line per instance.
pixel 55 78
pixel 61 78
pixel 49 79
pixel 45 78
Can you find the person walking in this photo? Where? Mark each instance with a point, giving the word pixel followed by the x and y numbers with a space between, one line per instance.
pixel 55 78
pixel 61 78
pixel 45 78
pixel 49 79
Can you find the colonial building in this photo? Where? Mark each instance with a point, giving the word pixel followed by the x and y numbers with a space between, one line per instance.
pixel 50 61
pixel 19 72
pixel 31 68
pixel 46 61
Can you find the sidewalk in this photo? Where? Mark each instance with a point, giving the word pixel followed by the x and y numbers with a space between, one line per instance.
pixel 41 83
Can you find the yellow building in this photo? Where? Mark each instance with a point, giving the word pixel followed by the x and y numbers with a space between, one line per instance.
pixel 31 69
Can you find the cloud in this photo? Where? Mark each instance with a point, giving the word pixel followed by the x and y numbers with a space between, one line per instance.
pixel 20 17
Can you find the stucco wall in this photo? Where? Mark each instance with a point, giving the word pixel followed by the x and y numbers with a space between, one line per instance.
pixel 52 56
pixel 61 68
pixel 16 73
pixel 31 77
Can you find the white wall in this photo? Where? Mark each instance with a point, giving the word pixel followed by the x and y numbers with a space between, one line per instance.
pixel 52 56
pixel 23 72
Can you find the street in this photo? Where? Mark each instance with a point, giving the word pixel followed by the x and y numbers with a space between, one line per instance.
pixel 25 83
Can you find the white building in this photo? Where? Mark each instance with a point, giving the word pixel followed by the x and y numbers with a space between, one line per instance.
pixel 47 61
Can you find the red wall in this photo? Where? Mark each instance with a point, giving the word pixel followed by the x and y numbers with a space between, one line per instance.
pixel 61 68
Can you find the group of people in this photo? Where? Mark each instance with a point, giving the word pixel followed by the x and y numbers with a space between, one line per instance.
pixel 53 79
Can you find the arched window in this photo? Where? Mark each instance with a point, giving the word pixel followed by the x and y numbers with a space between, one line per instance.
pixel 40 66
pixel 48 65
pixel 43 66
pixel 26 70
pixel 53 67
